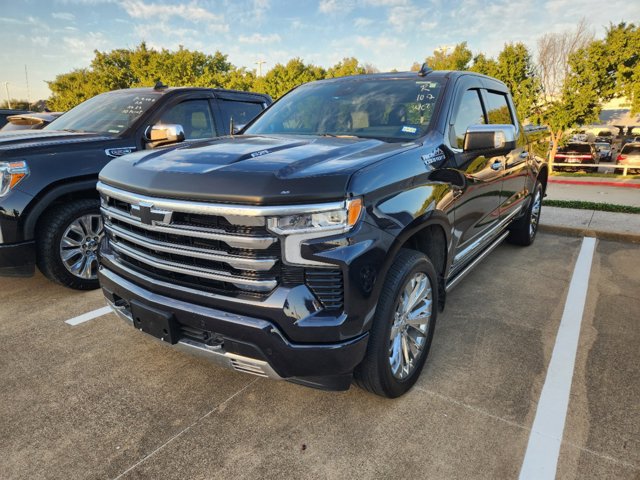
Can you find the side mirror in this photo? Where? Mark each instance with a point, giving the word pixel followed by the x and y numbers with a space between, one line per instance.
pixel 164 134
pixel 237 128
pixel 490 138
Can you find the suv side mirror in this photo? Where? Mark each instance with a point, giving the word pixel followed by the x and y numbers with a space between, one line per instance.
pixel 164 134
pixel 490 138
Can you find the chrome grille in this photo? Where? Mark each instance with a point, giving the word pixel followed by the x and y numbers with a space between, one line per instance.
pixel 224 248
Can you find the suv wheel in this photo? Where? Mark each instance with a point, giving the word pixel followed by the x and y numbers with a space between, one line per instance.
pixel 403 326
pixel 523 231
pixel 68 239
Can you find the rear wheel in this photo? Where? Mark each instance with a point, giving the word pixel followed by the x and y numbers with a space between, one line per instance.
pixel 67 241
pixel 523 231
pixel 402 330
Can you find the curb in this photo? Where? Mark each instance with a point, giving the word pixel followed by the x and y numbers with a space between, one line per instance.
pixel 589 232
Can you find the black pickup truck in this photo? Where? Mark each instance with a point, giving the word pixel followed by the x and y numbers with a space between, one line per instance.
pixel 49 207
pixel 320 243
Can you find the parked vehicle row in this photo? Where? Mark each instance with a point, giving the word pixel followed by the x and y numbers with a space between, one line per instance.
pixel 316 246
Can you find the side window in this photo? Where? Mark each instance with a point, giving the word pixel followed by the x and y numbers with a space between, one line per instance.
pixel 469 113
pixel 241 112
pixel 194 116
pixel 498 108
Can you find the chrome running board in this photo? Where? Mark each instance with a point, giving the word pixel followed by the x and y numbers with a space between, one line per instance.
pixel 463 273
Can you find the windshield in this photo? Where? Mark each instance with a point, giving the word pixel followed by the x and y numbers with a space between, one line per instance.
pixel 111 112
pixel 387 109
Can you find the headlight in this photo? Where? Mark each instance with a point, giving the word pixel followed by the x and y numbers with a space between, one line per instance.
pixel 10 175
pixel 300 227
pixel 322 222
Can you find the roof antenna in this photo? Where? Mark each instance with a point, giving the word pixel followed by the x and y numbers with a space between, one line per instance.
pixel 424 70
pixel 160 86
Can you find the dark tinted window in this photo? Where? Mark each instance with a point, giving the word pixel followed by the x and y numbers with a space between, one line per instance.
pixel 498 108
pixel 241 113
pixel 469 113
pixel 194 116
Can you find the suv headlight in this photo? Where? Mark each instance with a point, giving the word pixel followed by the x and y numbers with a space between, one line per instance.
pixel 10 175
pixel 303 226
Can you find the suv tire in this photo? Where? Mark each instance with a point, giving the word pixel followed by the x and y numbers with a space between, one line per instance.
pixel 391 365
pixel 68 237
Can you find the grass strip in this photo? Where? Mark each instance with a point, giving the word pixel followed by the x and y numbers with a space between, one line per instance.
pixel 602 207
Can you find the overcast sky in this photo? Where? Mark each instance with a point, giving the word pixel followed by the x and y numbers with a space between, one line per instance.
pixel 55 36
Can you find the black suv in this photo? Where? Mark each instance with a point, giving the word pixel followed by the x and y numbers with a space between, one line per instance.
pixel 320 243
pixel 49 207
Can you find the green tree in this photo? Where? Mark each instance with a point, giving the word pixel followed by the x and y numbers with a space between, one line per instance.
pixel 458 59
pixel 515 68
pixel 282 78
pixel 142 66
pixel 348 66
pixel 483 64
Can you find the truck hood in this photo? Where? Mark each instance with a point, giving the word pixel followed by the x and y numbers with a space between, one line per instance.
pixel 43 139
pixel 250 169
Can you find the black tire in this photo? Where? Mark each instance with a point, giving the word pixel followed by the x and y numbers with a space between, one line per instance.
pixel 49 233
pixel 375 372
pixel 523 231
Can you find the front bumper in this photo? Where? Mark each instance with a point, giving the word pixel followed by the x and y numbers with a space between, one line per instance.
pixel 18 259
pixel 244 343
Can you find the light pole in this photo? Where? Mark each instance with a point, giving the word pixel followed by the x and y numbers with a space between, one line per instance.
pixel 6 88
pixel 259 63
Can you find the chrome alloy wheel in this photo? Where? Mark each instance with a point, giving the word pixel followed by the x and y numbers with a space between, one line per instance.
pixel 535 213
pixel 410 325
pixel 79 246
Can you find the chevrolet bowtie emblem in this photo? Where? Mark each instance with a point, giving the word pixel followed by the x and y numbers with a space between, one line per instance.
pixel 149 215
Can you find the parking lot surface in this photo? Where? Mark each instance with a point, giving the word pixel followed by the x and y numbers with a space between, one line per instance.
pixel 101 400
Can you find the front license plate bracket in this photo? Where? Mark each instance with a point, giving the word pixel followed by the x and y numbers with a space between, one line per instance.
pixel 158 323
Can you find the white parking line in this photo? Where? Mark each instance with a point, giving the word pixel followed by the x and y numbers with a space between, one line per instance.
pixel 541 458
pixel 85 317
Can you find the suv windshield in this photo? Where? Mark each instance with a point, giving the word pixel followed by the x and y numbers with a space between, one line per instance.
pixel 389 109
pixel 111 112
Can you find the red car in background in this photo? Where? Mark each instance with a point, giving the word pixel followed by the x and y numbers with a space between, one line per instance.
pixel 573 155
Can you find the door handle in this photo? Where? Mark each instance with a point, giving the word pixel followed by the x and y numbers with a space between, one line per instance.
pixel 497 165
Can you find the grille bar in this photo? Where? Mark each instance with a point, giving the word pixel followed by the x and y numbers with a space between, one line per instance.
pixel 241 263
pixel 155 261
pixel 236 241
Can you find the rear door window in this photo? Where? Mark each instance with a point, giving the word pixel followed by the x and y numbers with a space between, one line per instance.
pixel 240 113
pixel 498 108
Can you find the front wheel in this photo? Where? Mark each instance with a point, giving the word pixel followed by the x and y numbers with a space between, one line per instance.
pixel 402 330
pixel 67 242
pixel 523 231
